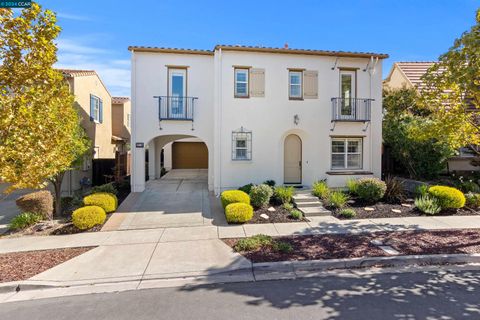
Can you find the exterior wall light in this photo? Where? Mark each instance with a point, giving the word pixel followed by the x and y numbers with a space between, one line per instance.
pixel 296 119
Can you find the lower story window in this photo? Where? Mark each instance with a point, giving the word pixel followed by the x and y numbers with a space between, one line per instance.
pixel 241 144
pixel 347 153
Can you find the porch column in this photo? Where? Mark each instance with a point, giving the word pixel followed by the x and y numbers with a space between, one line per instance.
pixel 151 160
pixel 138 169
pixel 167 156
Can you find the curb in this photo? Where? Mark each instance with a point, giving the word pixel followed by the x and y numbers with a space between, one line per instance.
pixel 295 269
pixel 263 271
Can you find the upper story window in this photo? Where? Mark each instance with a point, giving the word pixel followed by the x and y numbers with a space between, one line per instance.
pixel 347 153
pixel 295 79
pixel 96 109
pixel 241 144
pixel 241 82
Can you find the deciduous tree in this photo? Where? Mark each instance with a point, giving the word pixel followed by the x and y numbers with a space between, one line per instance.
pixel 40 136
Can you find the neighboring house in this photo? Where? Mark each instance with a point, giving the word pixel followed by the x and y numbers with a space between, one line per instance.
pixel 121 122
pixel 409 75
pixel 94 103
pixel 256 113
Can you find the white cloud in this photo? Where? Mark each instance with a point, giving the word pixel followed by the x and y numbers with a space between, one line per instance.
pixel 79 54
pixel 68 16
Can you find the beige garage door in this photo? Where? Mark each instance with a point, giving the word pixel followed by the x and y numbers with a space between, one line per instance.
pixel 189 155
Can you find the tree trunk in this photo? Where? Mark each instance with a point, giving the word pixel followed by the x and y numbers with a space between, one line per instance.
pixel 57 184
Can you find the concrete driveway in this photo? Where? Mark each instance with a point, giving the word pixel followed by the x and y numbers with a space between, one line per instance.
pixel 178 199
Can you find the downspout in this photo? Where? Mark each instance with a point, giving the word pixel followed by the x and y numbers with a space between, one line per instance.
pixel 371 72
pixel 220 100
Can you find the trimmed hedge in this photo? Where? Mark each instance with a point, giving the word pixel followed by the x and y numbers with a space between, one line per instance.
pixel 88 217
pixel 104 200
pixel 448 197
pixel 238 212
pixel 40 202
pixel 234 196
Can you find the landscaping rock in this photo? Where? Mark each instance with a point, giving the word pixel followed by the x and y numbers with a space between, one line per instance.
pixel 376 242
pixel 271 209
pixel 264 216
pixel 396 211
pixel 406 205
pixel 369 209
pixel 351 201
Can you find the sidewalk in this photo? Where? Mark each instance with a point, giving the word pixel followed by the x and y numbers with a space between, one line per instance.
pixel 173 254
pixel 317 225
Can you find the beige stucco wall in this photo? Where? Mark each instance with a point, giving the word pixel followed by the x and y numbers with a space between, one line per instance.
pixel 99 133
pixel 120 126
pixel 397 80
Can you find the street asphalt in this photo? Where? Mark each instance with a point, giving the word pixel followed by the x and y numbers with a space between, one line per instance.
pixel 401 296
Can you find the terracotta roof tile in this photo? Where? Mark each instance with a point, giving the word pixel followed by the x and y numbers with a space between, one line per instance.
pixel 120 100
pixel 414 70
pixel 260 49
pixel 77 73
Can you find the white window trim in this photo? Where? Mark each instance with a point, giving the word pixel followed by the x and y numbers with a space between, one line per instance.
pixel 247 92
pixel 96 109
pixel 290 84
pixel 242 135
pixel 346 153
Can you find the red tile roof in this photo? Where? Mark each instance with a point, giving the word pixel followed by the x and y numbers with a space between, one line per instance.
pixel 120 100
pixel 414 70
pixel 77 73
pixel 261 49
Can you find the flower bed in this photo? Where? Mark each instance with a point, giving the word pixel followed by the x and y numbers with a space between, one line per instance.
pixel 389 210
pixel 316 247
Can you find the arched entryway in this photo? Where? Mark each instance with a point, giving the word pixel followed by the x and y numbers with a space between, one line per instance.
pixel 292 160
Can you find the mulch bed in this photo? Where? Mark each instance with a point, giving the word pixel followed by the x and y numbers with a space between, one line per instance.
pixel 277 216
pixel 61 226
pixel 315 247
pixel 24 265
pixel 384 210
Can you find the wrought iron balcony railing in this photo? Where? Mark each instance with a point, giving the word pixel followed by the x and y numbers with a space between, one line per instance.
pixel 351 109
pixel 176 108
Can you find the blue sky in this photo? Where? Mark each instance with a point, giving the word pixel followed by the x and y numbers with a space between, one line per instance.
pixel 96 34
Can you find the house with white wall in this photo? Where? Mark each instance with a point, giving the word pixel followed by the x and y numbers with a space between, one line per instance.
pixel 250 114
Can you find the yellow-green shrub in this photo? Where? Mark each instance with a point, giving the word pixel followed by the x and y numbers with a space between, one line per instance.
pixel 238 212
pixel 448 197
pixel 88 217
pixel 234 196
pixel 107 201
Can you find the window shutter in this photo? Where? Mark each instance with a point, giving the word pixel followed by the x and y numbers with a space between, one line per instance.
pixel 257 82
pixel 100 113
pixel 92 104
pixel 310 84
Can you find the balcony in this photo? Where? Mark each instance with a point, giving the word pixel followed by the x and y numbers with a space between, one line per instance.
pixel 351 109
pixel 176 108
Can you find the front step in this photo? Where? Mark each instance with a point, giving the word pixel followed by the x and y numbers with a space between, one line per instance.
pixel 314 211
pixel 305 204
pixel 309 205
pixel 304 198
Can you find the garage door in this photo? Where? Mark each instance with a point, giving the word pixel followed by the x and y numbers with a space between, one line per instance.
pixel 189 155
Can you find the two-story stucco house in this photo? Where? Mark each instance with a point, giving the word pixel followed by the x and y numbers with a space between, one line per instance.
pixel 254 113
pixel 94 104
